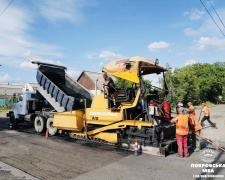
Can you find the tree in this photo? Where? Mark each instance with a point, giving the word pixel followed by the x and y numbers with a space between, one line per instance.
pixel 211 78
pixel 186 85
pixel 198 82
pixel 122 84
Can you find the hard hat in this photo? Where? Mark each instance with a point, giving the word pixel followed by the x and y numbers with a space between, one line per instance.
pixel 180 109
pixel 189 103
pixel 180 104
pixel 203 104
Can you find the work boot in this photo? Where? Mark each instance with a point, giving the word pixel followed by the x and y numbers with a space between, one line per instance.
pixel 114 107
pixel 179 156
pixel 196 150
pixel 186 155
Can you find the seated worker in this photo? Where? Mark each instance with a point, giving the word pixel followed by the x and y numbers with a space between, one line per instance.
pixel 109 88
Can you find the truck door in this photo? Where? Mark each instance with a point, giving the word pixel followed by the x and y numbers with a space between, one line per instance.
pixel 19 106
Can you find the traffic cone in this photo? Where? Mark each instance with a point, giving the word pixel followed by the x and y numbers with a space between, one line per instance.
pixel 46 134
pixel 10 126
pixel 136 148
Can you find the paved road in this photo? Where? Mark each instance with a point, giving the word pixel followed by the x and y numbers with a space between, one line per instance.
pixel 25 154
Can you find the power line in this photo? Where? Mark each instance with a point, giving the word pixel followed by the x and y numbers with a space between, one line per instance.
pixel 216 13
pixel 6 7
pixel 212 18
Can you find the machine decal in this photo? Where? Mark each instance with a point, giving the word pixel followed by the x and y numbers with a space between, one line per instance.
pixel 103 114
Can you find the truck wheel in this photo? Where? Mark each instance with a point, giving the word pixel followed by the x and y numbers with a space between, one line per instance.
pixel 51 129
pixel 39 123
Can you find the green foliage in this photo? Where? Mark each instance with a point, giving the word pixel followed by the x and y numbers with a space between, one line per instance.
pixel 197 82
pixel 122 84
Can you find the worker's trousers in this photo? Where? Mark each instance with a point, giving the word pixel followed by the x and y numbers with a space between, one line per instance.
pixel 208 119
pixel 182 145
pixel 196 140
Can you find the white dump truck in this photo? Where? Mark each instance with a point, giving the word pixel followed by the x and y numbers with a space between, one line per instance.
pixel 57 93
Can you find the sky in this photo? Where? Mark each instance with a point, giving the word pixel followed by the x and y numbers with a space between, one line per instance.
pixel 87 34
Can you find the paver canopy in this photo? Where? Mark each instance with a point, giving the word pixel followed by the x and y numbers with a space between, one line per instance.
pixel 128 68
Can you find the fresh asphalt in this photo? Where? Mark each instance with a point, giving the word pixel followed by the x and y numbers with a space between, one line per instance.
pixel 24 154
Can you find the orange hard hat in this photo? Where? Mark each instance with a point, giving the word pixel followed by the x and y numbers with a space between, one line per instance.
pixel 203 104
pixel 189 103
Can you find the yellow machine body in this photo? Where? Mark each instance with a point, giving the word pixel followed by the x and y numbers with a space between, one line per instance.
pixel 70 120
pixel 107 120
pixel 98 114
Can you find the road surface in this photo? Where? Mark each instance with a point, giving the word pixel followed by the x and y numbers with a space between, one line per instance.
pixel 24 154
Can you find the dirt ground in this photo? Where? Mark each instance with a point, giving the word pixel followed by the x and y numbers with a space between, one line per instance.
pixel 24 154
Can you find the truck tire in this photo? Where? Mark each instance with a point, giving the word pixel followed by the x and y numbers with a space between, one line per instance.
pixel 51 129
pixel 39 123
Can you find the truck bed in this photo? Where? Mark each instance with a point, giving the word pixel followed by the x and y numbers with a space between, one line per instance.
pixel 63 89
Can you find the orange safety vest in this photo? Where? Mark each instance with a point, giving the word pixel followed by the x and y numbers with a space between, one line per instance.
pixel 182 125
pixel 193 112
pixel 206 112
pixel 196 126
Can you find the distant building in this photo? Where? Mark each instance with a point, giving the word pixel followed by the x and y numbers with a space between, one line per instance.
pixel 92 81
pixel 7 90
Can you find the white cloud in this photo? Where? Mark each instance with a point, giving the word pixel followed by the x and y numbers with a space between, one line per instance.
pixel 90 56
pixel 194 14
pixel 206 27
pixel 70 10
pixel 27 54
pixel 190 32
pixel 28 65
pixel 159 46
pixel 101 64
pixel 16 44
pixel 5 78
pixel 190 62
pixel 73 73
pixel 108 55
pixel 214 43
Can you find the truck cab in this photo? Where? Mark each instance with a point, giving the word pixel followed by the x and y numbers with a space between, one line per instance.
pixel 22 106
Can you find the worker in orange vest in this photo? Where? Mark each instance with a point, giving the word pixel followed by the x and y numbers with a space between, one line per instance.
pixel 179 105
pixel 207 116
pixel 182 131
pixel 191 108
pixel 196 129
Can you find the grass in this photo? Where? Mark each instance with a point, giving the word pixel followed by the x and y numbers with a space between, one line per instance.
pixel 5 109
pixel 208 104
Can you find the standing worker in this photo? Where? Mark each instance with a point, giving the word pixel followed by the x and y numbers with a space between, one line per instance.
pixel 191 108
pixel 196 129
pixel 179 105
pixel 182 131
pixel 207 116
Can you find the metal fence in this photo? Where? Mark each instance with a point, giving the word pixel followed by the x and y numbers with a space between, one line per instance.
pixel 5 102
